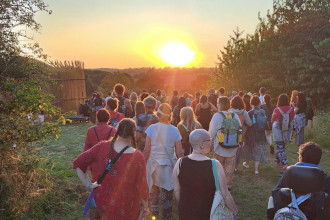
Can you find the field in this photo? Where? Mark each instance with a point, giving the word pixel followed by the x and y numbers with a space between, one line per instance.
pixel 250 192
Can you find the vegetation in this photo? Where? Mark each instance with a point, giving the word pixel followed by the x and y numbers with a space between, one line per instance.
pixel 289 50
pixel 21 99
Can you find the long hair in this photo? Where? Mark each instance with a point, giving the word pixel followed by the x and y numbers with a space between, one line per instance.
pixel 126 129
pixel 188 118
pixel 139 109
pixel 283 100
pixel 293 97
pixel 267 100
pixel 246 99
pixel 302 103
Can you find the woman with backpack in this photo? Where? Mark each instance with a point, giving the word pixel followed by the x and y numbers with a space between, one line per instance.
pixel 204 111
pixel 124 188
pixel 162 148
pixel 176 111
pixel 101 131
pixel 139 109
pixel 299 121
pixel 237 107
pixel 268 107
pixel 255 147
pixel 222 122
pixel 187 124
pixel 115 116
pixel 194 182
pixel 282 128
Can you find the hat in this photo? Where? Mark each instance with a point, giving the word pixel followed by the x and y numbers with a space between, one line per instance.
pixel 249 93
pixel 234 92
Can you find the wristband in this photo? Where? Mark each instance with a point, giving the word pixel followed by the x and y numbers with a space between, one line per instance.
pixel 89 185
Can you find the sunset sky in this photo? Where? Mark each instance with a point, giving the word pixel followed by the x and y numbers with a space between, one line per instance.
pixel 132 33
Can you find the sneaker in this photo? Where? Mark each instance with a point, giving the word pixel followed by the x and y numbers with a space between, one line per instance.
pixel 271 149
pixel 246 165
pixel 256 172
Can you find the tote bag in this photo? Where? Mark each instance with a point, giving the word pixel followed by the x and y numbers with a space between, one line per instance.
pixel 219 211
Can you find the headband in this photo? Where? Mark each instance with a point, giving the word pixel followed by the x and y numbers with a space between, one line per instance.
pixel 162 113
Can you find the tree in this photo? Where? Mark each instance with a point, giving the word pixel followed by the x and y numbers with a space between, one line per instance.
pixel 22 79
pixel 110 80
pixel 289 50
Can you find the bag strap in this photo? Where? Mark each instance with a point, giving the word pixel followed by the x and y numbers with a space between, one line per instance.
pixel 215 175
pixel 111 163
pixel 109 134
pixel 185 127
pixel 296 202
pixel 164 147
pixel 98 139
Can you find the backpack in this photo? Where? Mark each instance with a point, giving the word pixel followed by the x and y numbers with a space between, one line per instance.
pixel 230 135
pixel 98 139
pixel 121 104
pixel 114 121
pixel 292 211
pixel 187 146
pixel 285 119
pixel 260 120
pixel 309 109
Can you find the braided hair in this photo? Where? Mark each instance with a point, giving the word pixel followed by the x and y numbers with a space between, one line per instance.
pixel 126 128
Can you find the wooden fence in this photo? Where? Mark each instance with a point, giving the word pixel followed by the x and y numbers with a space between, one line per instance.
pixel 70 83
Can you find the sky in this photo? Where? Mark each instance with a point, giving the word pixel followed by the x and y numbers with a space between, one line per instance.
pixel 132 33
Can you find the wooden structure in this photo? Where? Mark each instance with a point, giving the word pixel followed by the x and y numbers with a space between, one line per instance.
pixel 70 85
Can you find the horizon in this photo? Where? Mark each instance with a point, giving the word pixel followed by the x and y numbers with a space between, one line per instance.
pixel 139 34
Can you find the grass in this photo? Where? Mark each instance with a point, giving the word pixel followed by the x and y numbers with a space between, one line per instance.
pixel 250 192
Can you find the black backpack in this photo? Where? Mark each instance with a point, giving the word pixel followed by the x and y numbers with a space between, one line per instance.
pixel 187 146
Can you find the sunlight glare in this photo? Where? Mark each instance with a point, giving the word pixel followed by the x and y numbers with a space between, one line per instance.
pixel 177 54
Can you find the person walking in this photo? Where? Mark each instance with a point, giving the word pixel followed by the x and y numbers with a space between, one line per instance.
pixel 204 112
pixel 282 128
pixel 163 147
pixel 268 107
pixel 187 124
pixel 125 186
pixel 176 111
pixel 237 107
pixel 299 121
pixel 255 147
pixel 194 184
pixel 226 156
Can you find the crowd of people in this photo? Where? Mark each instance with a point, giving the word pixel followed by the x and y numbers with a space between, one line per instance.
pixel 168 143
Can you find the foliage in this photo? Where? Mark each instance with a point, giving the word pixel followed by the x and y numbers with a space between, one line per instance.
pixel 22 80
pixel 289 50
pixel 110 80
pixel 200 83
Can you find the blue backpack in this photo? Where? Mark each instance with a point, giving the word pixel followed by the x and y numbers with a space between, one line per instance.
pixel 260 120
pixel 114 121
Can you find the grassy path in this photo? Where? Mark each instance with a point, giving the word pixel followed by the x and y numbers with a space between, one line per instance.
pixel 250 192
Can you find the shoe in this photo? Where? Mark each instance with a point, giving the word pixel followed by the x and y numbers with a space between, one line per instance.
pixel 256 172
pixel 271 149
pixel 246 165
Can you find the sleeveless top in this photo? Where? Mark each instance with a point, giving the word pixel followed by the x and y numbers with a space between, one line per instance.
pixel 205 116
pixel 197 189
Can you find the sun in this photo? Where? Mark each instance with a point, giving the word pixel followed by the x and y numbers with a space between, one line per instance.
pixel 177 54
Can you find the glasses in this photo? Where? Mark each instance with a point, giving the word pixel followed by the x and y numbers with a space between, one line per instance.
pixel 207 140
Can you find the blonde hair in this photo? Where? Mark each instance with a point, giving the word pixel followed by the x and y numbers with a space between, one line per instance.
pixel 164 113
pixel 188 118
pixel 294 97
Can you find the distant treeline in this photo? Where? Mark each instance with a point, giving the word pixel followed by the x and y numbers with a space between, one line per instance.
pixel 289 50
pixel 137 79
